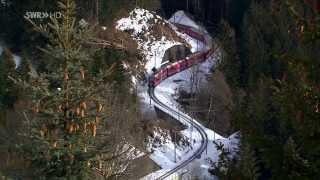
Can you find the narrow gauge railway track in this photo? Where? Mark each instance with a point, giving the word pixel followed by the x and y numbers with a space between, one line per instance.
pixel 166 72
pixel 198 128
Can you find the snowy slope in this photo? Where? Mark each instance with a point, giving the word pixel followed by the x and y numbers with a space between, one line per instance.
pixel 139 24
pixel 180 17
pixel 166 92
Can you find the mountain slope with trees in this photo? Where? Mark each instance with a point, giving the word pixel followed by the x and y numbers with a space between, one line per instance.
pixel 78 117
pixel 273 66
pixel 69 111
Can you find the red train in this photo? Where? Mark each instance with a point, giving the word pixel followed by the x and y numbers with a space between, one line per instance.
pixel 167 71
pixel 187 30
pixel 171 69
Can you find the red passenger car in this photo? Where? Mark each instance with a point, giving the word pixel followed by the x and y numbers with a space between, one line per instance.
pixel 163 73
pixel 187 30
pixel 183 64
pixel 168 70
pixel 156 80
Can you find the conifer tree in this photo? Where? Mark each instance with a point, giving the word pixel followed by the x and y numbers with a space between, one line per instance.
pixel 279 118
pixel 66 127
pixel 7 89
pixel 249 167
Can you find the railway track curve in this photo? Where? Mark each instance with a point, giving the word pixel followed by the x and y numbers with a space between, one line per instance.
pixel 177 114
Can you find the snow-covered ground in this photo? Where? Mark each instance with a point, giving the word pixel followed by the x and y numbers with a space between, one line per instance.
pixel 166 93
pixel 140 22
pixel 180 17
pixel 164 156
pixel 163 152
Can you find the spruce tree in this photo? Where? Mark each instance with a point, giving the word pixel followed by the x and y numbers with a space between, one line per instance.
pixel 279 117
pixel 249 165
pixel 7 88
pixel 66 126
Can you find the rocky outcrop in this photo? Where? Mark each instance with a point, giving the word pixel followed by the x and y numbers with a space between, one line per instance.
pixel 176 53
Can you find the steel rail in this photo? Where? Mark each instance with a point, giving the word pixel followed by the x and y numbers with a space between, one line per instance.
pixel 198 127
pixel 189 120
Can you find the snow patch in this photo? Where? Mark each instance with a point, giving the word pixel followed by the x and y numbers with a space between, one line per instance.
pixel 139 23
pixel 180 17
pixel 167 93
pixel 139 20
pixel 162 148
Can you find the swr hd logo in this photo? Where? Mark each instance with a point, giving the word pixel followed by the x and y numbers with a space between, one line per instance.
pixel 42 15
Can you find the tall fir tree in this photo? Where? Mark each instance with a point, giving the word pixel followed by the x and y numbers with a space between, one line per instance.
pixel 7 89
pixel 279 114
pixel 71 109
